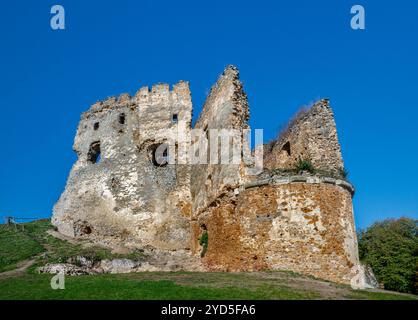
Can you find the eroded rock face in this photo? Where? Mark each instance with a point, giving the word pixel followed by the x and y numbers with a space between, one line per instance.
pixel 365 278
pixel 118 266
pixel 157 261
pixel 119 191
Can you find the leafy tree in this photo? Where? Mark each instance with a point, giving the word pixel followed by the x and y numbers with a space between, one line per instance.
pixel 390 247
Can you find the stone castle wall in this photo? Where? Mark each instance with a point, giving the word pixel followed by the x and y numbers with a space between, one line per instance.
pixel 124 196
pixel 276 220
pixel 311 135
pixel 225 108
pixel 306 227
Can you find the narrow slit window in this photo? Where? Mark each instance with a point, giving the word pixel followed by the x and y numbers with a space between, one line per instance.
pixel 175 118
pixel 206 131
pixel 122 118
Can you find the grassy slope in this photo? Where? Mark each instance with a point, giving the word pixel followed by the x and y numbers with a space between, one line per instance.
pixel 167 286
pixel 125 287
pixel 17 245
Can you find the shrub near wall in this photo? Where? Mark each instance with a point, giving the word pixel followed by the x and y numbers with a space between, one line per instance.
pixel 390 247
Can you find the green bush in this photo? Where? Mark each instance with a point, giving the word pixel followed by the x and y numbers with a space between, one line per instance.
pixel 304 165
pixel 390 247
pixel 203 241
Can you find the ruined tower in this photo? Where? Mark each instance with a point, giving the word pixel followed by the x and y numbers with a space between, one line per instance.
pixel 117 189
pixel 295 214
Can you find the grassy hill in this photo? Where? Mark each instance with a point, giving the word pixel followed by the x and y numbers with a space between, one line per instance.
pixel 17 245
pixel 34 243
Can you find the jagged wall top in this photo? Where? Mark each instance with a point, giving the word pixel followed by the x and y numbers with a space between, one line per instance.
pixel 226 107
pixel 310 135
pixel 230 89
pixel 158 93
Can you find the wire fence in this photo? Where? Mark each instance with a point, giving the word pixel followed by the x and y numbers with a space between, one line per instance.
pixel 18 221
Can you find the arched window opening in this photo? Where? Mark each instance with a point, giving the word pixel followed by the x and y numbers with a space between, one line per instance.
pixel 93 156
pixel 96 126
pixel 286 147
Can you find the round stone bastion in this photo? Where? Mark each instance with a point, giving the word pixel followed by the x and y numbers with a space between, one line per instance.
pixel 299 223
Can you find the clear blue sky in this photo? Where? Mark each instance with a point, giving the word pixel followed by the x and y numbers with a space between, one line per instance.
pixel 289 54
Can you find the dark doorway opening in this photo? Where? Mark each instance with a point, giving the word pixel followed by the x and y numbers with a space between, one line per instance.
pixel 286 147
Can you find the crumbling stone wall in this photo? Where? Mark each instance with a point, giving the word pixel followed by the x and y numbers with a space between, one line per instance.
pixel 125 196
pixel 300 226
pixel 118 192
pixel 311 135
pixel 225 108
pixel 299 223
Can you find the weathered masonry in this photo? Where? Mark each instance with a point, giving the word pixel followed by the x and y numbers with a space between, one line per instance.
pixel 123 189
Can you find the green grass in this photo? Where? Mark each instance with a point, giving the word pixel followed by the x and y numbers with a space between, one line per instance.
pixel 19 244
pixel 371 295
pixel 60 251
pixel 304 165
pixel 114 287
pixel 166 285
pixel 16 246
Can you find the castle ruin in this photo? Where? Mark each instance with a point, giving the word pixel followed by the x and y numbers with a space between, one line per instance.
pixel 285 217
